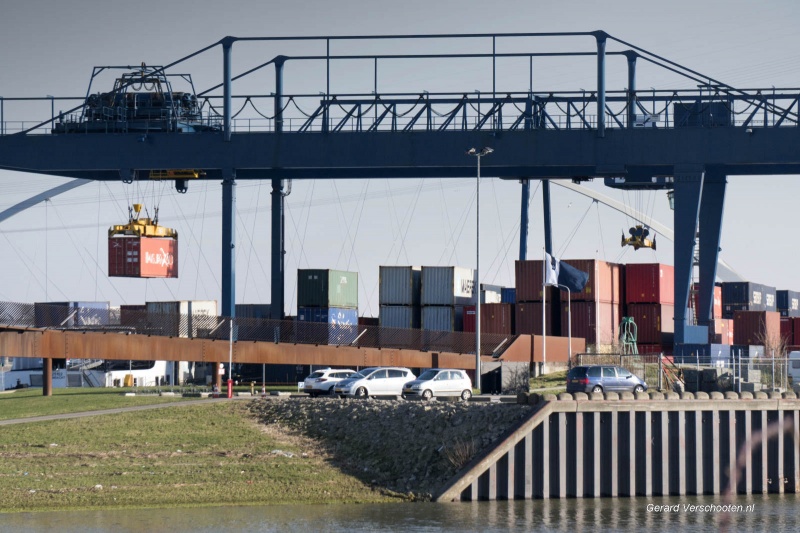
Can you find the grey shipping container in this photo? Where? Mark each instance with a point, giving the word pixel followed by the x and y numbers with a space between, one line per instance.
pixel 747 296
pixel 327 288
pixel 447 286
pixel 399 285
pixel 442 317
pixel 400 316
pixel 182 318
pixel 253 311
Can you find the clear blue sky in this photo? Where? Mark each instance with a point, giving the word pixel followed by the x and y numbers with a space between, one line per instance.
pixel 57 252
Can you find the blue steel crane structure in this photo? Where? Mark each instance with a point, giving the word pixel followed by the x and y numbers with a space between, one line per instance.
pixel 697 137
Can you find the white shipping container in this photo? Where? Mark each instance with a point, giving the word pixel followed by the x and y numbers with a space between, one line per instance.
pixel 443 318
pixel 399 316
pixel 399 285
pixel 447 286
pixel 183 318
pixel 491 294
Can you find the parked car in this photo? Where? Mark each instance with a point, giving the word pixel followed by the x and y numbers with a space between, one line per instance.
pixel 603 378
pixel 374 381
pixel 439 382
pixel 322 381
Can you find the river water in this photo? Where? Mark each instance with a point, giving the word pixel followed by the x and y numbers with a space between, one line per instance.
pixel 773 513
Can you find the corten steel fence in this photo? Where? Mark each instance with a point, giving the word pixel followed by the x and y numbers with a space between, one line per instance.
pixel 703 373
pixel 204 326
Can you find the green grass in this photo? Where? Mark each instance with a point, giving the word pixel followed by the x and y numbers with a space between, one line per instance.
pixel 554 380
pixel 25 403
pixel 182 456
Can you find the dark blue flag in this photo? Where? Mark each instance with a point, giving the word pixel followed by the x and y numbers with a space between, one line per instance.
pixel 559 273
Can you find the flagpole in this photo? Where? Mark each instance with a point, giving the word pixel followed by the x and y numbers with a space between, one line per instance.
pixel 545 266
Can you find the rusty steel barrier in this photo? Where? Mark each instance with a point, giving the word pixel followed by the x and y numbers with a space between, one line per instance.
pixel 205 326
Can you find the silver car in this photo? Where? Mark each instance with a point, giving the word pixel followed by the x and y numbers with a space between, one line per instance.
pixel 440 382
pixel 374 381
pixel 322 381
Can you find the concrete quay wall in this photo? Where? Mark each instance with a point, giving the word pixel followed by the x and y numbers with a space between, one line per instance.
pixel 643 444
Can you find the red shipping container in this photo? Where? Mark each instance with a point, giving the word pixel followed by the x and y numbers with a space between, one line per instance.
pixel 716 308
pixel 142 257
pixel 649 348
pixel 495 318
pixel 787 331
pixel 796 328
pixel 528 318
pixel 720 331
pixel 650 283
pixel 597 322
pixel 528 280
pixel 756 327
pixel 603 284
pixel 652 321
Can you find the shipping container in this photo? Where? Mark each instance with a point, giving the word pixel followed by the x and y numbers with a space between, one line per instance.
pixel 327 288
pixel 720 331
pixel 133 316
pixel 787 331
pixel 705 354
pixel 528 318
pixel 142 257
pixel 650 283
pixel 652 321
pixel 442 317
pixel 71 314
pixel 528 281
pixel 260 311
pixel 716 307
pixel 796 329
pixel 491 294
pixel 495 318
pixel 603 285
pixel 745 351
pixel 597 322
pixel 400 316
pixel 508 295
pixel 756 327
pixel 399 285
pixel 182 318
pixel 369 321
pixel 447 286
pixel 649 349
pixel 788 303
pixel 747 296
pixel 342 322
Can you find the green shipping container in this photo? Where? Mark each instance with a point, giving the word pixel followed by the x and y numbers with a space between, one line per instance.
pixel 327 288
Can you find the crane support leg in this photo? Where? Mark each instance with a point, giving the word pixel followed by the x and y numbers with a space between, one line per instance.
pixel 228 303
pixel 688 191
pixel 548 230
pixel 523 222
pixel 711 209
pixel 278 252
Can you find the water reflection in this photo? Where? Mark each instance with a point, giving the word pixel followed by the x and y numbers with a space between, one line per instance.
pixel 774 512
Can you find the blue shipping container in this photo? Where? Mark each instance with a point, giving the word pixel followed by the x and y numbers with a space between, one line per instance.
pixel 342 323
pixel 508 295
pixel 788 303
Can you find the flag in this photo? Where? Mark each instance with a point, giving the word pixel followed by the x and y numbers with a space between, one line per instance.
pixel 563 274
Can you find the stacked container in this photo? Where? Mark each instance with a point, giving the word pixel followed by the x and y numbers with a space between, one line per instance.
pixel 596 309
pixel 756 327
pixel 444 293
pixel 330 297
pixel 495 318
pixel 528 301
pixel 491 294
pixel 650 295
pixel 399 296
pixel 71 314
pixel 788 303
pixel 747 296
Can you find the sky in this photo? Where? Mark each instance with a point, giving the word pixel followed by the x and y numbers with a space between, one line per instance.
pixel 57 251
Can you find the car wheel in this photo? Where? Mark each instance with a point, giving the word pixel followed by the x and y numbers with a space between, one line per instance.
pixel 427 395
pixel 466 394
pixel 597 388
pixel 361 392
pixel 638 388
pixel 330 392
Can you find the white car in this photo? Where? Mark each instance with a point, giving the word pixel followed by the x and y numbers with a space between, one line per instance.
pixel 440 382
pixel 322 381
pixel 374 381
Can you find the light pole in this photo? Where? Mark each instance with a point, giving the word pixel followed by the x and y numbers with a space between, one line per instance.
pixel 569 322
pixel 477 289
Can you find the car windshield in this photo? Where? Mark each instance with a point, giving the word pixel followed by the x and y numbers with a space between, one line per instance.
pixel 361 374
pixel 428 375
pixel 317 374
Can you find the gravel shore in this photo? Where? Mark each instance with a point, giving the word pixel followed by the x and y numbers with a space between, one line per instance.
pixel 408 447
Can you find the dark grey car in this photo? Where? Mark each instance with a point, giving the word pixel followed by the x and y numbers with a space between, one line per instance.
pixel 603 378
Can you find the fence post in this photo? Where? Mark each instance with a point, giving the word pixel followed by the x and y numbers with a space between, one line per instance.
pixel 739 381
pixel 773 369
pixel 697 376
pixel 660 370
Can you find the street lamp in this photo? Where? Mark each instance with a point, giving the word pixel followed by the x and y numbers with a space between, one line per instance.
pixel 478 155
